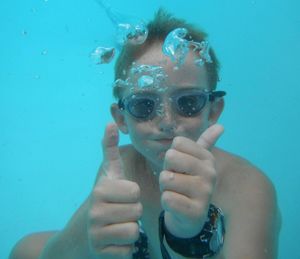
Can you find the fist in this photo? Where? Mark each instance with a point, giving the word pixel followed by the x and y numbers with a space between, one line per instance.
pixel 115 205
pixel 187 182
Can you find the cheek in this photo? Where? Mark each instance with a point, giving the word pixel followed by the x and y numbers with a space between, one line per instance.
pixel 138 132
pixel 192 128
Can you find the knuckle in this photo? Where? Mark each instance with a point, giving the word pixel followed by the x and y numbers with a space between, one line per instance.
pixel 170 154
pixel 198 209
pixel 139 209
pixel 163 177
pixel 95 239
pixel 127 251
pixel 135 230
pixel 132 232
pixel 135 191
pixel 212 174
pixel 98 193
pixel 167 198
pixel 92 214
pixel 178 142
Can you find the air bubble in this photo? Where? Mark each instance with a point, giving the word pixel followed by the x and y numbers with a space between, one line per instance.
pixel 129 29
pixel 175 46
pixel 203 51
pixel 145 81
pixel 102 55
pixel 44 52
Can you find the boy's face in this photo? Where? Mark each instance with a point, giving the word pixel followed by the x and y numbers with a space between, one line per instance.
pixel 153 137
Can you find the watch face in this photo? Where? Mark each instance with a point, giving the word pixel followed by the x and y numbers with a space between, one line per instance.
pixel 217 238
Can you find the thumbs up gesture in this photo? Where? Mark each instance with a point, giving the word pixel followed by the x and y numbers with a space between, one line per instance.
pixel 114 205
pixel 187 182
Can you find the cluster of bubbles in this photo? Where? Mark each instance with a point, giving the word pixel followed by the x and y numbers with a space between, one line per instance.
pixel 177 47
pixel 144 77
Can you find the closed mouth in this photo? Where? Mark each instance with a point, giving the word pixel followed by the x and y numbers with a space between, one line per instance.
pixel 165 140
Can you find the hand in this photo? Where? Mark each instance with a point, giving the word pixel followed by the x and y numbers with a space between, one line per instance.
pixel 114 205
pixel 187 182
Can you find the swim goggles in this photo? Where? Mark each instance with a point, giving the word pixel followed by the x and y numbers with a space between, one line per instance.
pixel 187 103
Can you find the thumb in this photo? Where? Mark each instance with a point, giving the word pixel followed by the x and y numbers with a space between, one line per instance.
pixel 112 161
pixel 210 136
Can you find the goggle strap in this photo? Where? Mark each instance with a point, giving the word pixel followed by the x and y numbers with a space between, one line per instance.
pixel 121 104
pixel 216 94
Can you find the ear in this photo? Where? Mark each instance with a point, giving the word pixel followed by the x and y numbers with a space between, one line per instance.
pixel 119 118
pixel 216 109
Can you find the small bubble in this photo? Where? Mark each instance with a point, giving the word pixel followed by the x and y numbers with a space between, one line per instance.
pixel 44 52
pixel 37 77
pixel 102 55
pixel 145 81
pixel 24 33
pixel 160 113
pixel 199 62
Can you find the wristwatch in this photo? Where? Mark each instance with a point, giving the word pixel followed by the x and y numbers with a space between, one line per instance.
pixel 205 244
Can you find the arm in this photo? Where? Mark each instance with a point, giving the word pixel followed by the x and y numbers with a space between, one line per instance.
pixel 71 242
pixel 106 223
pixel 254 219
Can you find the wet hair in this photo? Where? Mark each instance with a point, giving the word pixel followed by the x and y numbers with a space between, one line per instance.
pixel 162 24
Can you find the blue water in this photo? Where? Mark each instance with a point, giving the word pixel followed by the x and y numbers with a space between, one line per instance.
pixel 54 102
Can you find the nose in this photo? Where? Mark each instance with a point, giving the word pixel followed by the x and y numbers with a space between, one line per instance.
pixel 166 117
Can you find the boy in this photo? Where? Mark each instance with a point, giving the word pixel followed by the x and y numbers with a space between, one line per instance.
pixel 172 193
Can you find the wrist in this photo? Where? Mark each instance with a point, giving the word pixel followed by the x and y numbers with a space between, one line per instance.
pixel 205 244
pixel 183 229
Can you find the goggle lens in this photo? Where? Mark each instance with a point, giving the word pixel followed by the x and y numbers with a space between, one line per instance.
pixel 190 105
pixel 141 107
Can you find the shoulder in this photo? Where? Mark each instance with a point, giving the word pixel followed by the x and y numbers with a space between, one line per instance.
pixel 246 190
pixel 249 202
pixel 243 186
pixel 238 174
pixel 31 246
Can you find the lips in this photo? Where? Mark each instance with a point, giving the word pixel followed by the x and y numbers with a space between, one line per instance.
pixel 165 140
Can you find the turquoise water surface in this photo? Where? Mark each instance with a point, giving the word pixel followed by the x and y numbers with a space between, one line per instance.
pixel 54 101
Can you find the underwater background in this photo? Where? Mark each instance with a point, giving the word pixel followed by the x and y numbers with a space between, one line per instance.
pixel 54 101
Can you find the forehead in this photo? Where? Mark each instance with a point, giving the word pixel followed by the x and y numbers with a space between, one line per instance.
pixel 186 75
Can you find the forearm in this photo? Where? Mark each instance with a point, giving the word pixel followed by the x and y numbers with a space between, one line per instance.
pixel 72 241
